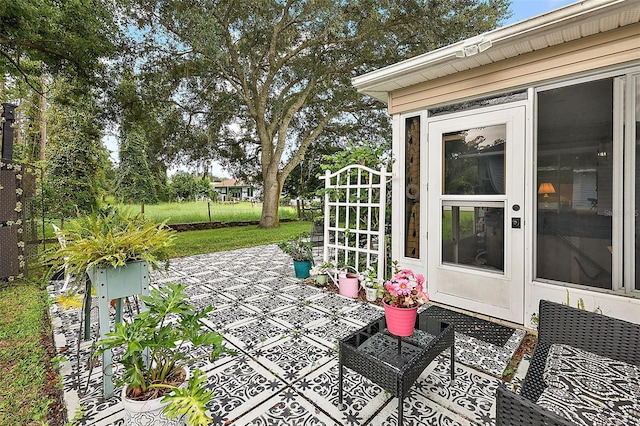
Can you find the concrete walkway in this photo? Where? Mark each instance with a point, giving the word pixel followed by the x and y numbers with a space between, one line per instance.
pixel 286 368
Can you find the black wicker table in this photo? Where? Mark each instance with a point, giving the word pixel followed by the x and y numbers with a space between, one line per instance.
pixel 395 362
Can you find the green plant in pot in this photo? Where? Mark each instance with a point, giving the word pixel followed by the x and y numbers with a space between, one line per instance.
pixel 112 239
pixel 370 282
pixel 158 344
pixel 321 271
pixel 301 251
pixel 117 252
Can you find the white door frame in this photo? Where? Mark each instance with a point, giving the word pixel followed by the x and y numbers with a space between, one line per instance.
pixel 497 294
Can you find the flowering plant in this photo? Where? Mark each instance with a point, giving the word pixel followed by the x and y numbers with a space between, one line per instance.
pixel 405 289
pixel 323 268
pixel 369 277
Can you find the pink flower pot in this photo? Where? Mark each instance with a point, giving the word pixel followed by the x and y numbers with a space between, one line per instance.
pixel 400 321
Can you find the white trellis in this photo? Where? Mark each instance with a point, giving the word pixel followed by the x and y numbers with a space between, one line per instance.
pixel 354 217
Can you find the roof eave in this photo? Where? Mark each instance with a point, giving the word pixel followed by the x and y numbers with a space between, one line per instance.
pixel 380 83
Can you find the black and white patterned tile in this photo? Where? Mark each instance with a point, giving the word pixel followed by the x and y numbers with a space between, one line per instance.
pixel 239 386
pixel 256 333
pixel 285 335
pixel 486 356
pixel 418 412
pixel 196 288
pixel 287 408
pixel 213 298
pixel 361 398
pixel 299 292
pixel 333 303
pixel 329 330
pixel 299 316
pixel 363 313
pixel 222 318
pixel 293 357
pixel 471 394
pixel 268 302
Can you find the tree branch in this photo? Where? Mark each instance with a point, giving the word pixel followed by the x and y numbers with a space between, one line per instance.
pixel 25 76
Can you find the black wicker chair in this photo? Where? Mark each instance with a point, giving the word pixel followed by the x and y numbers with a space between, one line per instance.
pixel 560 324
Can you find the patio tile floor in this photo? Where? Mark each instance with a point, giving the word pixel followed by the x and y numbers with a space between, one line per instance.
pixel 286 368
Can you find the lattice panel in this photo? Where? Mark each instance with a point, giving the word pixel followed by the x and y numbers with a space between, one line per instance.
pixel 355 202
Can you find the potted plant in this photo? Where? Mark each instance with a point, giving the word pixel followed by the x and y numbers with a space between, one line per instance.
pixel 369 279
pixel 402 295
pixel 158 344
pixel 110 239
pixel 116 252
pixel 301 251
pixel 321 271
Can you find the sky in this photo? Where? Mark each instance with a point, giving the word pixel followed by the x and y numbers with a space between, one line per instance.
pixel 522 9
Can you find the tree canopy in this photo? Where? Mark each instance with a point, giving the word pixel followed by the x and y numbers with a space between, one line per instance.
pixel 51 36
pixel 54 58
pixel 256 82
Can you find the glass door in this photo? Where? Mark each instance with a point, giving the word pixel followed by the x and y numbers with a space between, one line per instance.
pixel 476 211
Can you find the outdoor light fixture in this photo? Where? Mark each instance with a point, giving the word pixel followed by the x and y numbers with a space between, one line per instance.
pixel 546 188
pixel 474 48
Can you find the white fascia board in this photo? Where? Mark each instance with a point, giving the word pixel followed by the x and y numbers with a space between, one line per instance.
pixel 373 83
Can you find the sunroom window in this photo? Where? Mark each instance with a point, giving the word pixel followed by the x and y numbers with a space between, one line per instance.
pixel 588 192
pixel 575 184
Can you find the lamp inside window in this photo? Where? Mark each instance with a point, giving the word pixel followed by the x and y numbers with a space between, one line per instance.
pixel 546 188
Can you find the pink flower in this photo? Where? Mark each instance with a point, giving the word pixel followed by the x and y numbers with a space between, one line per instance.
pixel 405 289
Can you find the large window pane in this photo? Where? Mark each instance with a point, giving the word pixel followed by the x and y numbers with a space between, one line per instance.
pixel 575 183
pixel 473 236
pixel 412 188
pixel 474 161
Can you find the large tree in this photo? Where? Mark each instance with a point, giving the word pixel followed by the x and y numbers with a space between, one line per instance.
pixel 76 158
pixel 134 180
pixel 54 55
pixel 258 81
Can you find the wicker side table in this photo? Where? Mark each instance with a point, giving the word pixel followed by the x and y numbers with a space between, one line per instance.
pixel 395 362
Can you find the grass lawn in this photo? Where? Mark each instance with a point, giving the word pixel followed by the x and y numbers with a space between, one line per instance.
pixel 213 240
pixel 198 211
pixel 26 379
pixel 192 212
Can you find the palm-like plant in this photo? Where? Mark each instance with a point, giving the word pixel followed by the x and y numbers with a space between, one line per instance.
pixel 111 239
pixel 157 346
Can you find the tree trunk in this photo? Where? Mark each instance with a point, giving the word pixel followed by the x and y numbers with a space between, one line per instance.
pixel 43 118
pixel 269 218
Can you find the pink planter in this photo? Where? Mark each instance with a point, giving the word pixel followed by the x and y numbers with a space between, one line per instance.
pixel 400 321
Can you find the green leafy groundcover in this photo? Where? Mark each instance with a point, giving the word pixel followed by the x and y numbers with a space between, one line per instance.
pixel 27 386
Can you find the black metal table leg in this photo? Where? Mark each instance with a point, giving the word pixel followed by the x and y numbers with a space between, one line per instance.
pixel 452 364
pixel 400 404
pixel 340 407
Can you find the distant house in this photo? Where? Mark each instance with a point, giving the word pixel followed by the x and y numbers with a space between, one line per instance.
pixel 518 172
pixel 233 190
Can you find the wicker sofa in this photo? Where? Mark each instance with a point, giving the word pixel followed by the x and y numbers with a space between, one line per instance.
pixel 560 324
